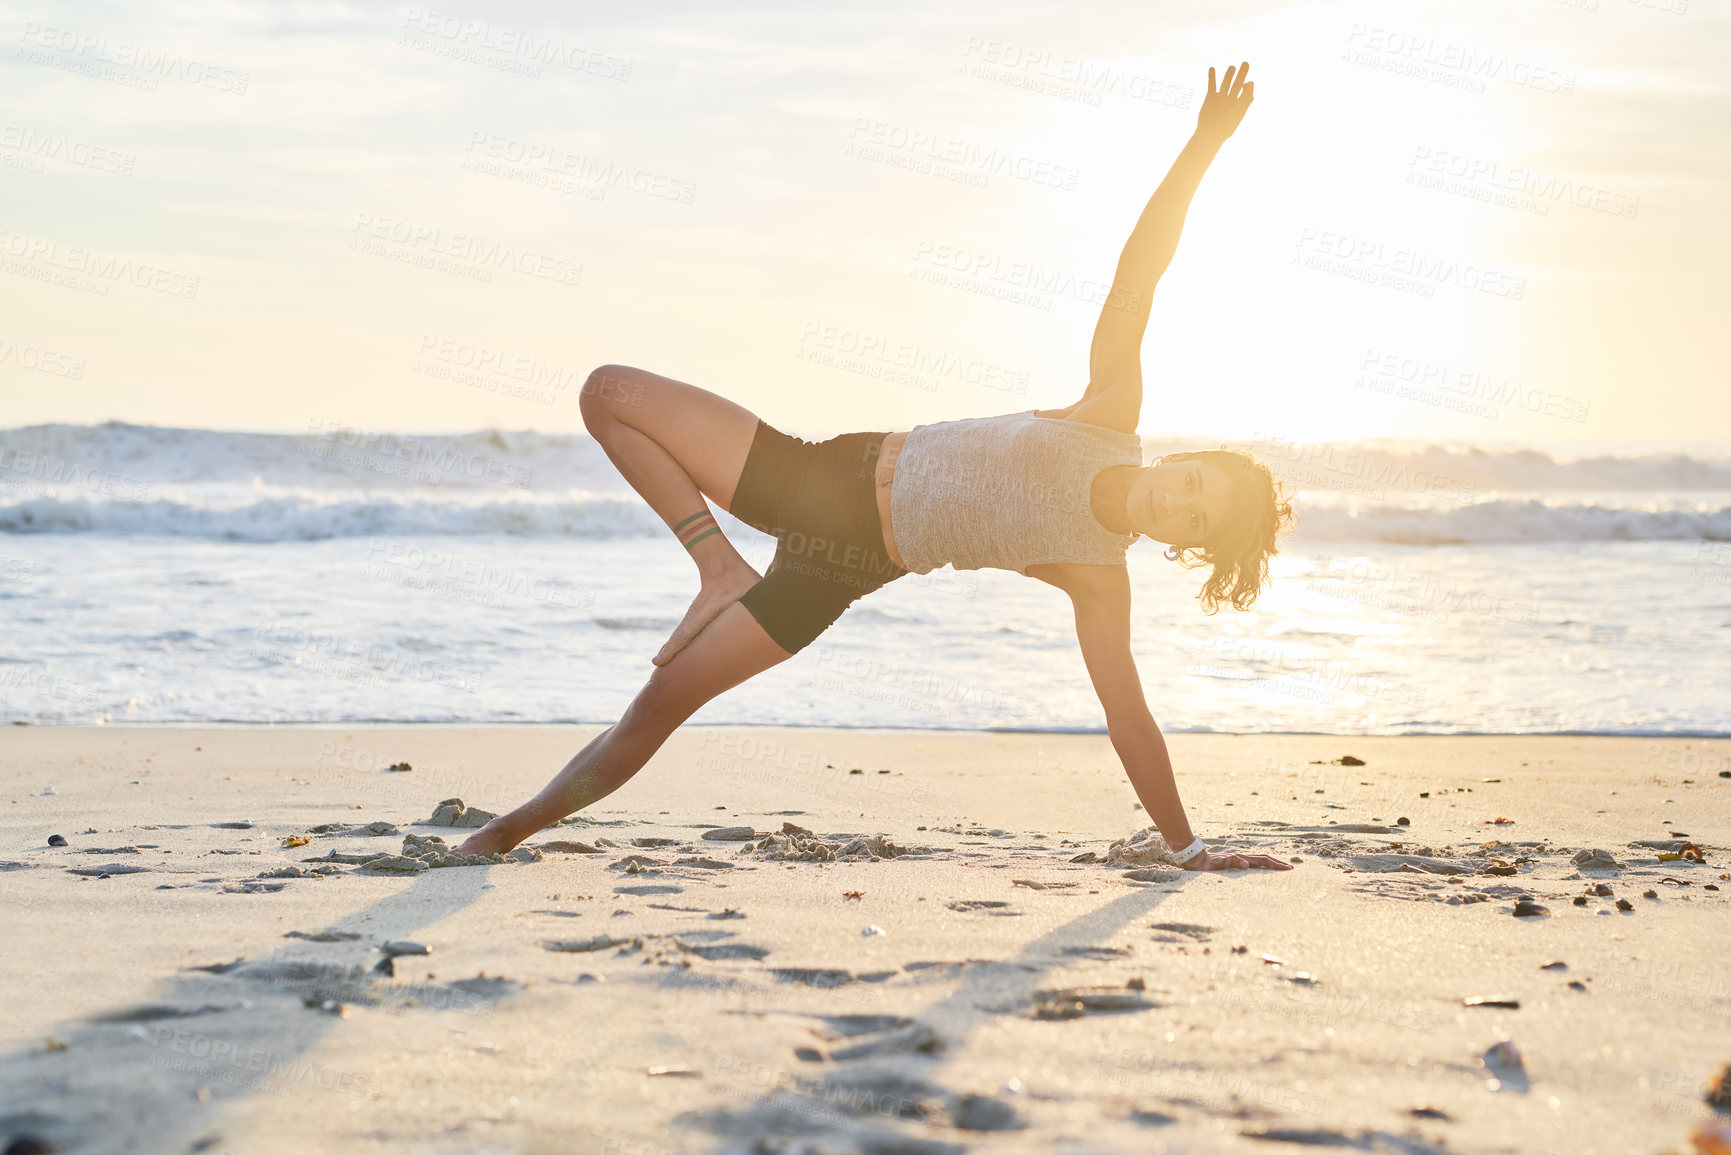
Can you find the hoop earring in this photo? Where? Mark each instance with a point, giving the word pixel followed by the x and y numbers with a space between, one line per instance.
pixel 1171 553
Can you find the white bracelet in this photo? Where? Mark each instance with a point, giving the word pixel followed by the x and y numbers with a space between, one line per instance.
pixel 1189 852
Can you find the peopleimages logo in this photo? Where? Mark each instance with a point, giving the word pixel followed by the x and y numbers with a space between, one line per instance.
pixel 503 48
pixel 1399 266
pixel 427 459
pixel 46 146
pixel 41 360
pixel 879 140
pixel 1337 468
pixel 89 53
pixel 924 365
pixel 1385 372
pixel 98 264
pixel 1525 184
pixel 373 233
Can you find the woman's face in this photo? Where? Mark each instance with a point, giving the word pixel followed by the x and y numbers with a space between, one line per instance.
pixel 1179 502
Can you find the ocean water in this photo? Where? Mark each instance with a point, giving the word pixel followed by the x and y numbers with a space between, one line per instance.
pixel 174 575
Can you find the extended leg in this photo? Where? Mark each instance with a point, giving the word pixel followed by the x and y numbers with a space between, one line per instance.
pixel 733 649
pixel 675 443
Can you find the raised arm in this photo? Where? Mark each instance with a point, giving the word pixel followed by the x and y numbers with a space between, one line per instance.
pixel 1101 597
pixel 1114 396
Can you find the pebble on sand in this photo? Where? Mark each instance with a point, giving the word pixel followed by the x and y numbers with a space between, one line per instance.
pixel 1719 1089
pixel 730 834
pixel 57 840
pixel 1505 1056
pixel 982 1113
pixel 1712 1138
pixel 1527 908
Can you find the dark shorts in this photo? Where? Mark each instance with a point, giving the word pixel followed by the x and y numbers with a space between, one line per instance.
pixel 818 500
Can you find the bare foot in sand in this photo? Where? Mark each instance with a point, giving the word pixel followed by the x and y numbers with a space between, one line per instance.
pixel 492 838
pixel 718 592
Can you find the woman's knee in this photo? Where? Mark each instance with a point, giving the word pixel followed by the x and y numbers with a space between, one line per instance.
pixel 606 389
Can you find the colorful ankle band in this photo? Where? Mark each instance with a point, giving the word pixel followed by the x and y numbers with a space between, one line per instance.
pixel 701 536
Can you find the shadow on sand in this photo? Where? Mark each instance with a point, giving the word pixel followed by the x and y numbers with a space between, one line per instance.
pixel 875 1095
pixel 152 1077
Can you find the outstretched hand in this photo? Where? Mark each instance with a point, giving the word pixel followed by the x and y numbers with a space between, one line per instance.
pixel 1210 860
pixel 1224 107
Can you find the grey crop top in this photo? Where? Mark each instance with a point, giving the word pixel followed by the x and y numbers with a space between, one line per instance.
pixel 1005 493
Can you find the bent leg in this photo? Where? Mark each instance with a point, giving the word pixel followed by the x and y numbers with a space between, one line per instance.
pixel 674 443
pixel 730 650
pixel 689 440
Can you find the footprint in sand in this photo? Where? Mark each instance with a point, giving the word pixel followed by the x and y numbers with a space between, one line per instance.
pixel 1074 1002
pixel 723 950
pixel 1097 953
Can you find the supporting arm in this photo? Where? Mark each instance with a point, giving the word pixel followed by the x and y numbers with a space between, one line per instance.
pixel 1101 596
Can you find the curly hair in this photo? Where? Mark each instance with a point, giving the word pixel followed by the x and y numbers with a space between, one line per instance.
pixel 1239 548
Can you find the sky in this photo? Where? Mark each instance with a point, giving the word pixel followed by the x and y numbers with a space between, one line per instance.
pixel 1491 222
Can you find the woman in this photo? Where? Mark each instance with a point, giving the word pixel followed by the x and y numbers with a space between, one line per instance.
pixel 1057 495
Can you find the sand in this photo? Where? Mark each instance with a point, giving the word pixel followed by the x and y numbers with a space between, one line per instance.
pixel 895 942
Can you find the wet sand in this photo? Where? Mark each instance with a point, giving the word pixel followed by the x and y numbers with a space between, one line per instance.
pixel 909 942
